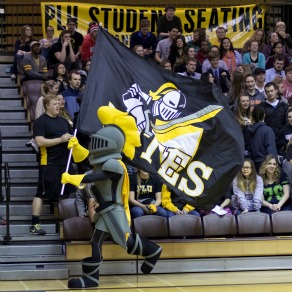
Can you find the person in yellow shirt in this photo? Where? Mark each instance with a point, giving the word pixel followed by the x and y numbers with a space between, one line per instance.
pixel 175 205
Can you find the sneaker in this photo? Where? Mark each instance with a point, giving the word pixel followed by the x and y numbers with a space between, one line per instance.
pixel 37 230
pixel 13 77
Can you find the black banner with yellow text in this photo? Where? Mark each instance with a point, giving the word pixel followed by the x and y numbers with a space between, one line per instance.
pixel 189 135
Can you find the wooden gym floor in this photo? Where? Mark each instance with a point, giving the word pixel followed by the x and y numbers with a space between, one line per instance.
pixel 280 280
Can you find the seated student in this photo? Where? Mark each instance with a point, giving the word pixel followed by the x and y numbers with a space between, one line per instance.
pixel 277 49
pixel 163 46
pixel 207 78
pixel 199 36
pixel 47 42
pixel 276 186
pixel 229 55
pixel 85 202
pixel 247 189
pixel 50 86
pixel 138 49
pixel 261 137
pixel 283 142
pixel 60 75
pixel 166 64
pixel 256 97
pixel 287 83
pixel 221 76
pixel 207 65
pixel 34 66
pixel 223 203
pixel 145 38
pixel 260 79
pixel 176 50
pixel 175 205
pixel 254 57
pixel 61 51
pixel 22 47
pixel 242 113
pixel 191 64
pixel 145 195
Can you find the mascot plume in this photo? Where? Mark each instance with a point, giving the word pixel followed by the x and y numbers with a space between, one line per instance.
pixel 110 185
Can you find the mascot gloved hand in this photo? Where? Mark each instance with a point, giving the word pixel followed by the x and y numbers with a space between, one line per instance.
pixel 79 153
pixel 73 179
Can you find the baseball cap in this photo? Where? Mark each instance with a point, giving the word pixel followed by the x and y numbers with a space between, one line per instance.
pixel 72 19
pixel 169 6
pixel 93 27
pixel 258 71
pixel 34 43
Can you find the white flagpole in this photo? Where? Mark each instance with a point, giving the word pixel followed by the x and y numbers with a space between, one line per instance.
pixel 68 163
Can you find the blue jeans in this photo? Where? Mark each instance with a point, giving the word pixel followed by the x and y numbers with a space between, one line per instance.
pixel 193 212
pixel 138 212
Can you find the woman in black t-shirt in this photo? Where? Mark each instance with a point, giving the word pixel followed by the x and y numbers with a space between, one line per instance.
pixel 145 195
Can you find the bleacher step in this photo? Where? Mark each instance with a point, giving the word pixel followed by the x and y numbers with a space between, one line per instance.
pixel 12 115
pixel 16 157
pixel 38 272
pixel 31 249
pixel 9 91
pixel 17 229
pixel 22 208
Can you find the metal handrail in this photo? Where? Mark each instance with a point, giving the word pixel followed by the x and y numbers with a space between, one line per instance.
pixel 1 159
pixel 7 237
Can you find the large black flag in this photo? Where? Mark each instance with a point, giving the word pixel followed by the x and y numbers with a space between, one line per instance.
pixel 189 136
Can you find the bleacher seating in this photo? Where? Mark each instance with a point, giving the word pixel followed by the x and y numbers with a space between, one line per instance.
pixel 215 225
pixel 184 226
pixel 67 209
pixel 282 222
pixel 77 228
pixel 74 227
pixel 151 226
pixel 253 223
pixel 32 89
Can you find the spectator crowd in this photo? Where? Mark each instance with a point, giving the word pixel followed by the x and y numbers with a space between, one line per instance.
pixel 255 82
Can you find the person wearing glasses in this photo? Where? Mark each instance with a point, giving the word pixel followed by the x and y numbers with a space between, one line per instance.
pixel 247 189
pixel 48 41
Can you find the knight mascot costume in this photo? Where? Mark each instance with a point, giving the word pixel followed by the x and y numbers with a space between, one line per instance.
pixel 110 185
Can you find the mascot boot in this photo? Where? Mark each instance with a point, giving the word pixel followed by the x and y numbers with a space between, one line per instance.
pixel 147 249
pixel 90 278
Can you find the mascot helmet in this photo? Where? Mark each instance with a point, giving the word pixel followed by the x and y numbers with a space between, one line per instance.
pixel 105 144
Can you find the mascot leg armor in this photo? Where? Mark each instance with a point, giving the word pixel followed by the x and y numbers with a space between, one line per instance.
pixel 90 272
pixel 147 249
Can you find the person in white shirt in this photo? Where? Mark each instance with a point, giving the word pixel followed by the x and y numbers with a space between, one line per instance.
pixel 276 73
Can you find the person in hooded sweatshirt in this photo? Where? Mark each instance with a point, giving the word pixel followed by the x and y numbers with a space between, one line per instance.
pixel 275 109
pixel 262 137
pixel 284 145
pixel 256 97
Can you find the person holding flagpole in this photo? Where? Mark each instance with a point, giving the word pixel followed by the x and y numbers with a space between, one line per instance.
pixel 52 134
pixel 110 186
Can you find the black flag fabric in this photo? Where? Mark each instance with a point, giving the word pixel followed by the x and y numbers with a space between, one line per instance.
pixel 189 136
